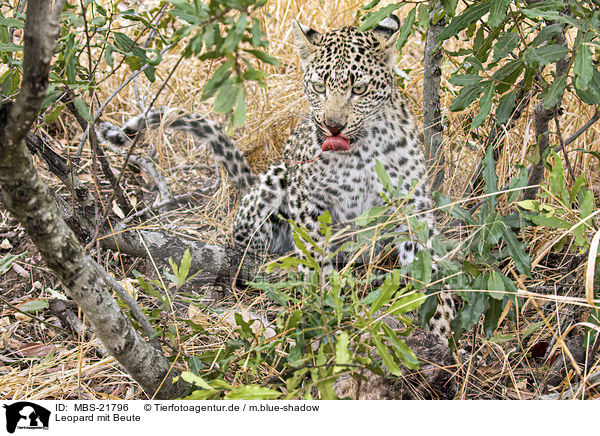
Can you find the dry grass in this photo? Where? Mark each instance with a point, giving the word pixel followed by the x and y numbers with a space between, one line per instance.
pixel 74 370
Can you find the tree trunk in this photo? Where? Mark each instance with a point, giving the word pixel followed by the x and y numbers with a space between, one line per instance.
pixel 432 114
pixel 29 200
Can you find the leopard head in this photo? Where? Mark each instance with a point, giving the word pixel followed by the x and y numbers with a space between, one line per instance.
pixel 348 78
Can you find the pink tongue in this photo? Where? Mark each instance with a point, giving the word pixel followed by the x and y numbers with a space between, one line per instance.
pixel 336 143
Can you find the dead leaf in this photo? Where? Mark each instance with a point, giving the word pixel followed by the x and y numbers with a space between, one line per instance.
pixel 195 314
pixel 22 317
pixel 117 210
pixel 521 392
pixel 85 177
pixel 539 349
pixel 36 349
pixel 129 287
pixel 5 245
pixel 21 271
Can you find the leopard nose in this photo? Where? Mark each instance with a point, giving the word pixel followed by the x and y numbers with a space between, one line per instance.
pixel 335 127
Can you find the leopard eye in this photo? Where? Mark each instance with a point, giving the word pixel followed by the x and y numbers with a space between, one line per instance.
pixel 360 89
pixel 319 87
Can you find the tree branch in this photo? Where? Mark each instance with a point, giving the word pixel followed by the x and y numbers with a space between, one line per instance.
pixel 432 114
pixel 542 118
pixel 29 200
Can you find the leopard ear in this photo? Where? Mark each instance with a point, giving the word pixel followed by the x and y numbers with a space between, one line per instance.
pixel 387 32
pixel 306 41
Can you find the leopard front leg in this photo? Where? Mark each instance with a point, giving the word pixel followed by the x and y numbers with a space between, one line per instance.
pixel 439 323
pixel 305 213
pixel 257 226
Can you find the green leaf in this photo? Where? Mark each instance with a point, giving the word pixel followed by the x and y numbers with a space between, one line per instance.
pixel 407 303
pixel 547 33
pixel 591 95
pixel 492 316
pixel 492 230
pixel 226 97
pixel 489 176
pixel 465 79
pixel 292 382
pixel 10 48
pixel 184 266
pixel 383 176
pixel 583 68
pixel 446 204
pixel 505 45
pixel 406 355
pixel 82 109
pixel 485 105
pixel 123 42
pixel 548 221
pixel 473 309
pixel 505 107
pixel 483 51
pixel 383 352
pixel 586 207
pixel 201 395
pixel 520 181
pixel 266 58
pixel 34 305
pixel 133 62
pixel 12 22
pixel 507 70
pixel 423 16
pixel 544 55
pixel 532 205
pixel 194 379
pixel 406 28
pixel 372 19
pixel 498 10
pixel 239 115
pixel 557 180
pixel 532 328
pixel 342 355
pixel 255 75
pixel 549 14
pixel 517 252
pixel 468 17
pixel 495 284
pixel 554 93
pixel 220 75
pixel 252 392
pixel 386 290
pixel 371 215
pixel 370 5
pixel 577 185
pixel 471 269
pixel 466 96
pixel 54 113
pixel 421 269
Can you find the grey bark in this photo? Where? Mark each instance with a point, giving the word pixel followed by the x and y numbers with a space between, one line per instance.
pixel 29 200
pixel 432 114
pixel 541 121
pixel 222 264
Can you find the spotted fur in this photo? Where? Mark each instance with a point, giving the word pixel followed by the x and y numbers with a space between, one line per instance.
pixel 350 84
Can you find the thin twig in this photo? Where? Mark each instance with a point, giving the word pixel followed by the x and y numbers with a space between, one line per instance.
pixel 135 309
pixel 562 147
pixel 583 128
pixel 113 95
pixel 137 138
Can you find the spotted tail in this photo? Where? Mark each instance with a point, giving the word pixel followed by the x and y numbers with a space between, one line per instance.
pixel 224 149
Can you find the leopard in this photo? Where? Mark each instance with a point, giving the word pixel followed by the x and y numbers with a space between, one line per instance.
pixel 357 119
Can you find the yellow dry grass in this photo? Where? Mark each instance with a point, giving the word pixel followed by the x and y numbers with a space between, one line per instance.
pixel 272 112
